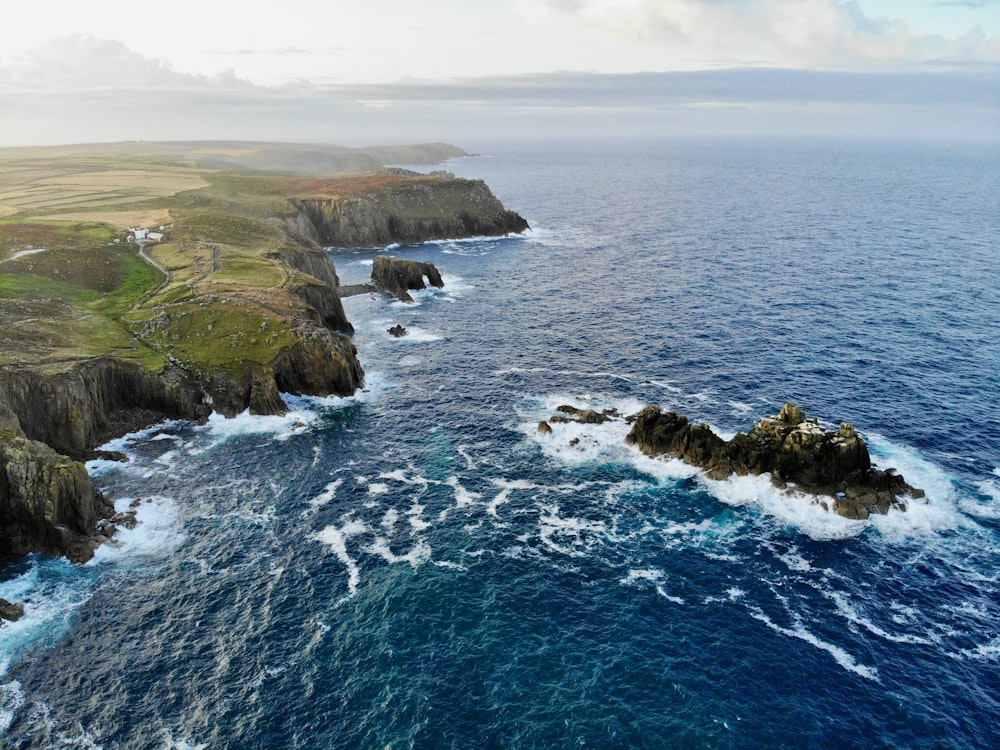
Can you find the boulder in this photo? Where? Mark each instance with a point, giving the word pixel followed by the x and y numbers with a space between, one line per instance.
pixel 11 611
pixel 397 330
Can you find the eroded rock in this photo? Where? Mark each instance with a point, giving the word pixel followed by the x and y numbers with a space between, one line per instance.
pixel 399 276
pixel 796 450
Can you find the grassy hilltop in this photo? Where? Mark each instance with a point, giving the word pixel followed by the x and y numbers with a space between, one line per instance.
pixel 214 292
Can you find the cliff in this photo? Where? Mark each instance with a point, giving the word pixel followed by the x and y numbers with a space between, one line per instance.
pixel 406 208
pixel 103 332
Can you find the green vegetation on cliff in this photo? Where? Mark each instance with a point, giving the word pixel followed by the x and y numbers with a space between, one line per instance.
pixel 147 280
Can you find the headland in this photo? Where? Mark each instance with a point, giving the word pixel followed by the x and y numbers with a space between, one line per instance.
pixel 144 281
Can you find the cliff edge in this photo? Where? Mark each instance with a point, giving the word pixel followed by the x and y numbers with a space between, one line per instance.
pixel 180 283
pixel 395 206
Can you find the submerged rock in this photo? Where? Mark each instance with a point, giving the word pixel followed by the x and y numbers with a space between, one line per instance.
pixel 794 449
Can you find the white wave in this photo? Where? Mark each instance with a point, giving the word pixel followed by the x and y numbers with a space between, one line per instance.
pixel 418 554
pixel 739 407
pixel 450 565
pixel 989 651
pixel 463 497
pixel 849 613
pixel 798 509
pixel 378 488
pixel 184 744
pixel 666 385
pixel 795 562
pixel 842 657
pixel 329 493
pixel 159 530
pixel 400 475
pixel 937 512
pixel 11 700
pixel 126 444
pixel 463 452
pixel 410 360
pixel 417 523
pixel 415 335
pixel 568 536
pixel 506 487
pixel 653 577
pixel 390 519
pixel 220 429
pixel 575 444
pixel 990 508
pixel 336 540
pixel 51 591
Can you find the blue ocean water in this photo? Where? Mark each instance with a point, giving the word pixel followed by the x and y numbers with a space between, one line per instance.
pixel 417 566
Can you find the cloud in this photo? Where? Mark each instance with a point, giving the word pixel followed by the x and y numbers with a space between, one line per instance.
pixel 81 62
pixel 787 33
pixel 87 89
pixel 278 52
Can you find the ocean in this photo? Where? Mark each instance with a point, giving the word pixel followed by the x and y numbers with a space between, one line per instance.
pixel 418 567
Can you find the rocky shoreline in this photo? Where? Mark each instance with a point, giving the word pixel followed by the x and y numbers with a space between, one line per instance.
pixel 52 421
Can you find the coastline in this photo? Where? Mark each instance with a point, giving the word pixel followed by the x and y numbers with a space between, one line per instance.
pixel 238 304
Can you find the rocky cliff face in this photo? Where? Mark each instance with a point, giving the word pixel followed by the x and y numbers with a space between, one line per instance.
pixel 794 449
pixel 446 208
pixel 321 297
pixel 47 502
pixel 50 422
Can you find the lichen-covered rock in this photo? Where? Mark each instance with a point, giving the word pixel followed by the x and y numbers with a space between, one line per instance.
pixel 399 276
pixel 794 449
pixel 47 502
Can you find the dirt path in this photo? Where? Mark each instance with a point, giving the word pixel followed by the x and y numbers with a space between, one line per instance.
pixel 166 274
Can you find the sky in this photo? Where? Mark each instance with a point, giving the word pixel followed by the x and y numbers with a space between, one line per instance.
pixel 401 70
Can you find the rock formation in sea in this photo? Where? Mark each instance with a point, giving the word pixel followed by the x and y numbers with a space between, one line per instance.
pixel 400 276
pixel 794 449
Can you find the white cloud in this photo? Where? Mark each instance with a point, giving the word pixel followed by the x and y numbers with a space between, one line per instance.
pixel 80 62
pixel 792 33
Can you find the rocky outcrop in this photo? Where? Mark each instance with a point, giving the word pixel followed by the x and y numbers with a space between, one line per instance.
pixel 794 449
pixel 47 502
pixel 399 276
pixel 11 611
pixel 443 208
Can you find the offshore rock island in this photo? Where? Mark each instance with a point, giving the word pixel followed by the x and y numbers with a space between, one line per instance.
pixel 794 449
pixel 146 281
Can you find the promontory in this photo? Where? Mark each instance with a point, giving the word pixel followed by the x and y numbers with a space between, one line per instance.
pixel 143 281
